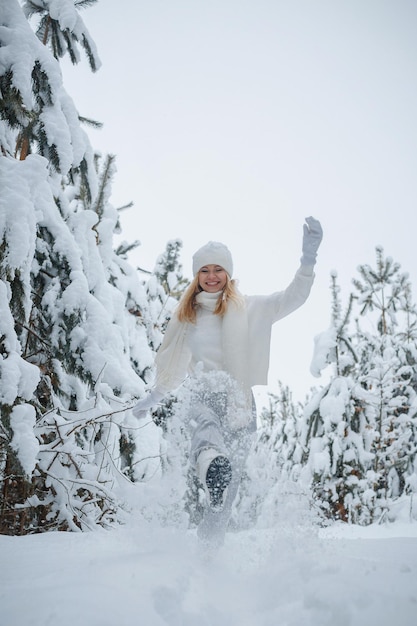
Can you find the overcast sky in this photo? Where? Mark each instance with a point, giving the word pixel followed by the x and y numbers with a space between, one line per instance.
pixel 233 120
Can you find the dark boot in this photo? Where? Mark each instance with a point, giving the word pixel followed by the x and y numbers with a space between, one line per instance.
pixel 218 477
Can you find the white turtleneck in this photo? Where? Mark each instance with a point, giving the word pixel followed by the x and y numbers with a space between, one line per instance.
pixel 205 336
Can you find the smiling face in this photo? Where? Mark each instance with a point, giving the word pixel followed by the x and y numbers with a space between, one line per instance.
pixel 212 278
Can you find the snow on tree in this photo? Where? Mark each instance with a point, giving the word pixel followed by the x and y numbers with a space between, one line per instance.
pixel 164 288
pixel 39 113
pixel 74 328
pixel 271 487
pixel 388 373
pixel 334 434
pixel 177 486
pixel 354 441
pixel 62 28
pixel 359 432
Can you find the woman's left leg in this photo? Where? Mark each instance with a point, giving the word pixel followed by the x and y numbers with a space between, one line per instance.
pixel 212 528
pixel 211 438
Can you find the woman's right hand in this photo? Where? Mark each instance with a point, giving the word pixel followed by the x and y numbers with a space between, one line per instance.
pixel 150 400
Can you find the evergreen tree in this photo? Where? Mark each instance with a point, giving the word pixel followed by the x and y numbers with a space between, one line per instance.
pixel 334 436
pixel 359 431
pixel 74 342
pixel 274 462
pixel 388 374
pixel 61 28
pixel 164 288
pixel 279 431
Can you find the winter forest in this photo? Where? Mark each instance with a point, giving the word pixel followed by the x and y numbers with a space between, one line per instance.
pixel 80 327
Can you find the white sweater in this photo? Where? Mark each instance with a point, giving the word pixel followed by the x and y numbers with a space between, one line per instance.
pixel 202 341
pixel 263 311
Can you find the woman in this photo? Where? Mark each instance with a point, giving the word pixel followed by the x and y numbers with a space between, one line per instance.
pixel 220 341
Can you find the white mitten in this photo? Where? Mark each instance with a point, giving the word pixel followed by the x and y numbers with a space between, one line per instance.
pixel 312 236
pixel 150 400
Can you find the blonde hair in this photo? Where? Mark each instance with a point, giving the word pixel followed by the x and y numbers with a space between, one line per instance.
pixel 187 307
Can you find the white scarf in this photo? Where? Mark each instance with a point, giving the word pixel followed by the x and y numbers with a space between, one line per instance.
pixel 174 355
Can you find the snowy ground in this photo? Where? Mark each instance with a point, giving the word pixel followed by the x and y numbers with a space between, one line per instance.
pixel 142 574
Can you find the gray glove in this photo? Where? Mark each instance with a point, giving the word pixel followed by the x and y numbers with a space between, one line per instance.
pixel 151 399
pixel 313 234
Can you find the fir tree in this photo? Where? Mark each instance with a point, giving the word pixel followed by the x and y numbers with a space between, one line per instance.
pixel 359 431
pixel 274 462
pixel 74 342
pixel 333 436
pixel 388 374
pixel 164 288
pixel 62 28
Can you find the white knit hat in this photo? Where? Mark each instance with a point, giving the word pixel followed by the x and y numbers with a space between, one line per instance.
pixel 213 253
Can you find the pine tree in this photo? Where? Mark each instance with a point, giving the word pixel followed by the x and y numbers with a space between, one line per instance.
pixel 74 341
pixel 335 432
pixel 279 431
pixel 165 287
pixel 388 374
pixel 360 430
pixel 62 28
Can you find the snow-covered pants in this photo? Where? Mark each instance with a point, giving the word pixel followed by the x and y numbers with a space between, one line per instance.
pixel 210 430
